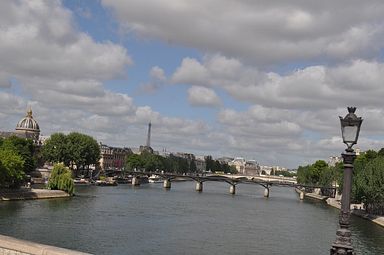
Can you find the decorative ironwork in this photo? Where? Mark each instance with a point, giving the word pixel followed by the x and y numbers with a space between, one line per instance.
pixel 350 128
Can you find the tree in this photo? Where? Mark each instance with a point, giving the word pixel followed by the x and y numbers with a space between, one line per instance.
pixel 56 149
pixel 152 162
pixel 61 179
pixel 369 186
pixel 209 163
pixel 316 174
pixel 72 150
pixel 134 161
pixel 284 173
pixel 11 168
pixel 26 150
pixel 171 164
pixel 83 150
pixel 192 166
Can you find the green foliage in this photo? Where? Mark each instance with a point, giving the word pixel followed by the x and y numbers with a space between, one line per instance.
pixel 318 173
pixel 75 149
pixel 369 186
pixel 338 170
pixel 152 162
pixel 134 161
pixel 216 166
pixel 232 169
pixel 56 149
pixel 61 179
pixel 209 164
pixel 367 182
pixel 83 150
pixel 192 166
pixel 174 164
pixel 285 173
pixel 25 148
pixel 11 168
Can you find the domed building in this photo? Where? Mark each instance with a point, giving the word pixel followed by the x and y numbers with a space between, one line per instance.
pixel 28 127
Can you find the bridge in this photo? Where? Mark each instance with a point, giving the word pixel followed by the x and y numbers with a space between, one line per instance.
pixel 233 180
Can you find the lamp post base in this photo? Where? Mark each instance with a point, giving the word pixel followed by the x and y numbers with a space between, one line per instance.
pixel 342 245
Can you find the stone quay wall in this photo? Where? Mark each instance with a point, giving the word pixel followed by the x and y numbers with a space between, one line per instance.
pixel 13 246
pixel 356 209
pixel 27 194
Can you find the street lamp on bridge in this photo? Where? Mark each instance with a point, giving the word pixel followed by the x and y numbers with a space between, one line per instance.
pixel 350 128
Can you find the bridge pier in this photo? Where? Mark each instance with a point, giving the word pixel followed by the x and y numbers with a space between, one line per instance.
pixel 167 184
pixel 199 186
pixel 302 195
pixel 232 189
pixel 266 192
pixel 135 181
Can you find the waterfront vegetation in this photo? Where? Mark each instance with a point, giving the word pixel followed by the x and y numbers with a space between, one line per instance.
pixel 75 150
pixel 61 179
pixel 368 179
pixel 20 156
pixel 174 164
pixel 283 173
pixel 17 158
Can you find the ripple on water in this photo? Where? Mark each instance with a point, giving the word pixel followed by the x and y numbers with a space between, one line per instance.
pixel 151 220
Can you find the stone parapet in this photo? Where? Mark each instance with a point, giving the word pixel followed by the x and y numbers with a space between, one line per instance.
pixel 13 246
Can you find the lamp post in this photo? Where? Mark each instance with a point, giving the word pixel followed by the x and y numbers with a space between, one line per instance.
pixel 350 128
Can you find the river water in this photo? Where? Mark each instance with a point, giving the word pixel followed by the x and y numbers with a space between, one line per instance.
pixel 151 220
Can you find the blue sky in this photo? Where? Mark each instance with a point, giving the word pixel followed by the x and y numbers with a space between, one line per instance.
pixel 258 79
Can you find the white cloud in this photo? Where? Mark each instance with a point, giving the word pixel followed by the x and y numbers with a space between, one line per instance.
pixel 157 80
pixel 201 96
pixel 263 32
pixel 357 82
pixel 292 117
pixel 61 71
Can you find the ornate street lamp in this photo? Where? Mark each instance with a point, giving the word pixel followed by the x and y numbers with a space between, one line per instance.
pixel 350 128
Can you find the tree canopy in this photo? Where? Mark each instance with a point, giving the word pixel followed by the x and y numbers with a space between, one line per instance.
pixel 174 164
pixel 11 168
pixel 17 157
pixel 24 148
pixel 61 179
pixel 367 182
pixel 74 149
pixel 318 173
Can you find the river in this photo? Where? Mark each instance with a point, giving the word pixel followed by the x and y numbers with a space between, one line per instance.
pixel 151 220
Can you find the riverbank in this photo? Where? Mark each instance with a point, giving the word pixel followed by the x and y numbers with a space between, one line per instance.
pixel 13 246
pixel 28 194
pixel 356 209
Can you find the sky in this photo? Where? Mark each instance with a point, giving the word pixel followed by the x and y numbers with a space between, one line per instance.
pixel 260 79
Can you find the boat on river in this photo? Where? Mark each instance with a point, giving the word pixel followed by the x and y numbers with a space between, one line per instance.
pixel 81 181
pixel 106 182
pixel 155 179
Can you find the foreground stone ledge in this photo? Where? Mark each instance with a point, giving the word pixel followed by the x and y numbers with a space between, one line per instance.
pixel 27 194
pixel 13 246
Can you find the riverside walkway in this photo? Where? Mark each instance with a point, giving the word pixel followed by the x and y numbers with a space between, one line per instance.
pixel 28 194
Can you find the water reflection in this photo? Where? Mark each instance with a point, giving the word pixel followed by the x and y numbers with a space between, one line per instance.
pixel 150 220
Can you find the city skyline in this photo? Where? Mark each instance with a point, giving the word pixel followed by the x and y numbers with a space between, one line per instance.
pixel 262 80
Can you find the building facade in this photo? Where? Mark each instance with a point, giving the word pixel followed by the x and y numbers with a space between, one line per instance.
pixel 239 164
pixel 251 168
pixel 113 158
